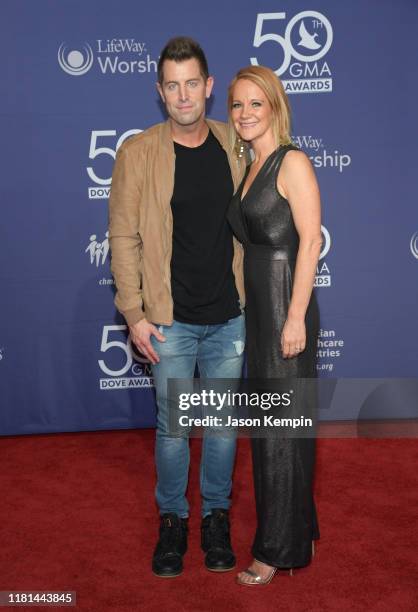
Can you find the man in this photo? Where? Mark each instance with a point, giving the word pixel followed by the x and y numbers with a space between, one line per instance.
pixel 178 274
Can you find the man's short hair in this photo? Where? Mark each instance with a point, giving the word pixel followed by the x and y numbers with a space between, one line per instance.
pixel 182 48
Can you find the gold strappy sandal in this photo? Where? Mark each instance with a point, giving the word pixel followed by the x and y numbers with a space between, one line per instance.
pixel 257 579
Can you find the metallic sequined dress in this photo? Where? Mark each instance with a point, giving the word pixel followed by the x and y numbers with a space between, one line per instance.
pixel 283 467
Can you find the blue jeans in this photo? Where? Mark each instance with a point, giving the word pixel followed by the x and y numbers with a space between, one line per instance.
pixel 218 351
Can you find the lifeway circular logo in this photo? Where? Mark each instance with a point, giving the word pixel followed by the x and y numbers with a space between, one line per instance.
pixel 307 39
pixel 75 62
pixel 414 245
pixel 111 56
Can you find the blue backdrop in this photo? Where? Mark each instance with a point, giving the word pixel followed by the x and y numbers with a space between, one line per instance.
pixel 79 77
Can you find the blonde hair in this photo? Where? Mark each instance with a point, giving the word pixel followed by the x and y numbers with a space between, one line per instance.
pixel 274 91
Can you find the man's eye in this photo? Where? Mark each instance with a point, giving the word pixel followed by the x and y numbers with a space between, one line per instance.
pixel 192 83
pixel 171 86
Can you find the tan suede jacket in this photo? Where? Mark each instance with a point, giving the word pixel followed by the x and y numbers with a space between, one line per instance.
pixel 141 223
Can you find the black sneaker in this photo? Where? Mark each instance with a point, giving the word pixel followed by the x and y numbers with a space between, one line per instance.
pixel 167 561
pixel 216 541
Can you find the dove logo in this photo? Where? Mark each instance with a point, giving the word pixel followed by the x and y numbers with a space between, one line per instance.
pixel 74 61
pixel 307 39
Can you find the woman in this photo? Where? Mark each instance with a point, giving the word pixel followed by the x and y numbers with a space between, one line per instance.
pixel 275 213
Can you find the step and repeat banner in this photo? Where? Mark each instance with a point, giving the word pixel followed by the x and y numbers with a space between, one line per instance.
pixel 78 79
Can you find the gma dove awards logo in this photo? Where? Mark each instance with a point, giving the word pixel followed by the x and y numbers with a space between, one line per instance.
pixel 323 274
pixel 121 363
pixel 302 47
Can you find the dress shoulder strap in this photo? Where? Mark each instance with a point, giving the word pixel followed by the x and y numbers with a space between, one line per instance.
pixel 283 149
pixel 279 156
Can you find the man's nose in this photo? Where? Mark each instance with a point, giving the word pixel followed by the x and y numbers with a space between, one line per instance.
pixel 183 92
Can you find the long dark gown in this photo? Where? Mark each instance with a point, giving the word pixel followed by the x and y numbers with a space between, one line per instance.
pixel 283 467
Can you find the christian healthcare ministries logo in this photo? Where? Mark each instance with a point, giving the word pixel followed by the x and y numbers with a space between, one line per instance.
pixel 113 56
pixel 98 251
pixel 307 39
pixel 329 348
pixel 414 245
pixel 74 61
pixel 323 274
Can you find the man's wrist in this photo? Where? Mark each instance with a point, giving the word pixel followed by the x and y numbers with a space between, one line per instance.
pixel 133 315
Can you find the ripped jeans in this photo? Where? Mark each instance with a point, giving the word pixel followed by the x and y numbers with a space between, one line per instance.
pixel 218 351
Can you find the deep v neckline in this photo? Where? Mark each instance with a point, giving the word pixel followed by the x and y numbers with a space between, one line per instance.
pixel 242 197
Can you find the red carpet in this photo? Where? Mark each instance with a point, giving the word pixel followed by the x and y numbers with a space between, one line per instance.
pixel 77 513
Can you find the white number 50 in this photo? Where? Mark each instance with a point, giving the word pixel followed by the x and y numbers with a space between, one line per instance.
pixel 285 41
pixel 123 346
pixel 260 38
pixel 94 150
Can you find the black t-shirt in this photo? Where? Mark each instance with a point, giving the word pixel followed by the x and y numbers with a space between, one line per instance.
pixel 202 281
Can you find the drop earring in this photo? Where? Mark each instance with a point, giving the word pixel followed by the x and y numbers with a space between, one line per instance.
pixel 239 147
